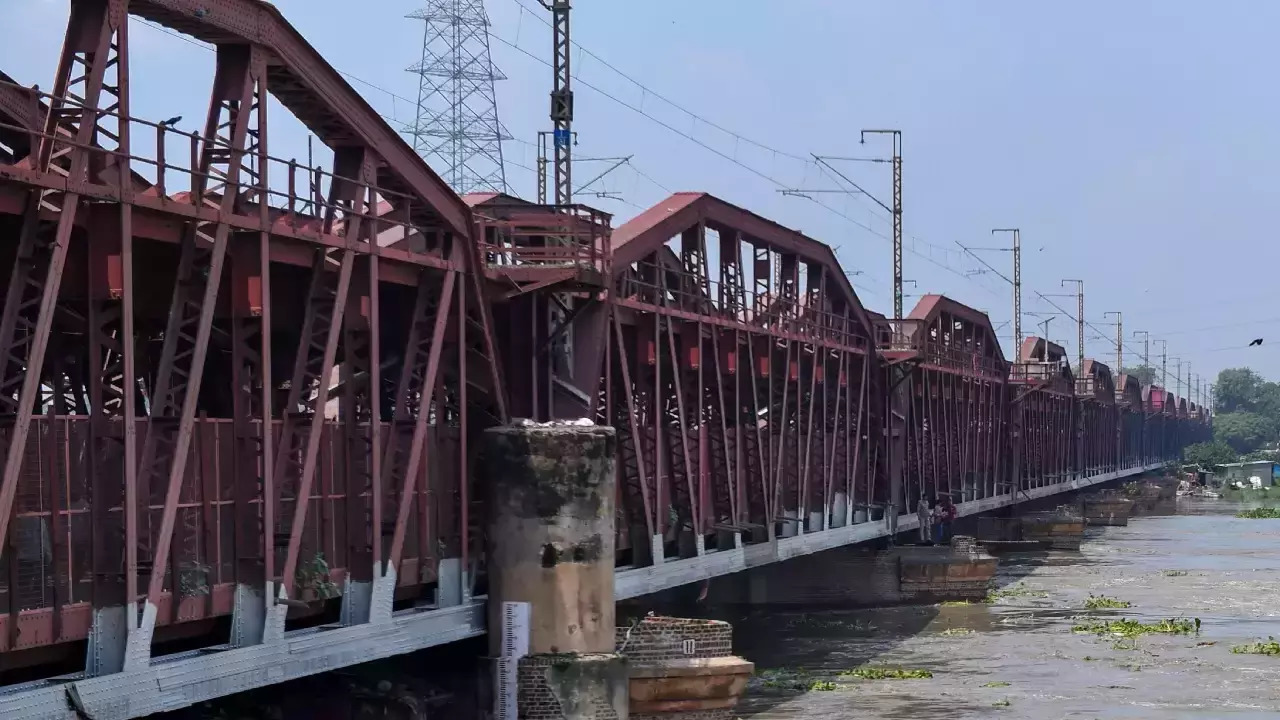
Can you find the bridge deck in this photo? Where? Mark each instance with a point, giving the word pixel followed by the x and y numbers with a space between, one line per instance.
pixel 178 681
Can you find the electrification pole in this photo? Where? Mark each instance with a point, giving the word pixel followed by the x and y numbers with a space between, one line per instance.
pixel 542 166
pixel 897 215
pixel 1017 287
pixel 1119 338
pixel 561 100
pixel 1146 346
pixel 1164 363
pixel 1079 319
pixel 1046 327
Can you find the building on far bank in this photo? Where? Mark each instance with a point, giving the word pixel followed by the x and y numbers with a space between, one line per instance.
pixel 1267 472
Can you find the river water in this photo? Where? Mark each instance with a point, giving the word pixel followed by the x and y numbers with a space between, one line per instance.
pixel 1018 657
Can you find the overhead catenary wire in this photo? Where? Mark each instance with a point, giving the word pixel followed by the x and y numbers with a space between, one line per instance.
pixel 1098 333
pixel 738 137
pixel 723 155
pixel 640 111
pixel 541 17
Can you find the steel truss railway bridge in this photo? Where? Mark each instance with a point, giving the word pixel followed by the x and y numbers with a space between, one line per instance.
pixel 241 397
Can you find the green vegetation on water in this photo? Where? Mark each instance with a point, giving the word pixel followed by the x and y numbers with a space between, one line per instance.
pixel 1014 592
pixel 957 631
pixel 1001 703
pixel 804 680
pixel 1174 573
pixel 1270 647
pixel 869 672
pixel 1133 628
pixel 1099 602
pixel 1265 513
pixel 992 596
pixel 797 679
pixel 997 683
pixel 822 686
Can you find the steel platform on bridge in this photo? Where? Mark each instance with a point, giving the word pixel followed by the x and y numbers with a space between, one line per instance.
pixel 241 396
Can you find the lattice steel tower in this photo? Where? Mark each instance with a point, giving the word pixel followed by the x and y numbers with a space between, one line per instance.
pixel 456 126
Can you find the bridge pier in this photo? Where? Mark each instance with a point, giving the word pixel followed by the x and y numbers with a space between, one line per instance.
pixel 551 548
pixel 863 577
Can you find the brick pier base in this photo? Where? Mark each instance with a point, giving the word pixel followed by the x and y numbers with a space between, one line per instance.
pixel 571 686
pixel 682 669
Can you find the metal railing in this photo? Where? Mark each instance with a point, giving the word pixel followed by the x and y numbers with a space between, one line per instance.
pixel 669 287
pixel 911 335
pixel 296 194
pixel 551 236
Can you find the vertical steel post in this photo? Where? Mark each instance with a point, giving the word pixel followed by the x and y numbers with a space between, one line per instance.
pixel 1079 322
pixel 1119 340
pixel 240 82
pixel 42 247
pixel 1017 288
pixel 112 385
pixel 1164 363
pixel 1146 347
pixel 561 99
pixel 897 219
pixel 542 166
pixel 1017 291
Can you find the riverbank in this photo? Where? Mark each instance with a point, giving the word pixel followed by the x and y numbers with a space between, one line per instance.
pixel 1018 656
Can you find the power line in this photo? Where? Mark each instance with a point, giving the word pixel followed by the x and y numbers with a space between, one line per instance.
pixel 640 111
pixel 1045 298
pixel 695 140
pixel 540 16
pixel 396 121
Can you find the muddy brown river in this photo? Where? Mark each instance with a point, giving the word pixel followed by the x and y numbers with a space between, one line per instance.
pixel 1018 656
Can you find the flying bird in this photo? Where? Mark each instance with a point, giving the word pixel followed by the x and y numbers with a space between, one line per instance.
pixel 173 120
pixel 1256 342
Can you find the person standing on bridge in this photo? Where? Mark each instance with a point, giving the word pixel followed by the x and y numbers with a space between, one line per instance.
pixel 925 514
pixel 946 515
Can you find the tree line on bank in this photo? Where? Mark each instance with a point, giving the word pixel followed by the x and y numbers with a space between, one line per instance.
pixel 1246 421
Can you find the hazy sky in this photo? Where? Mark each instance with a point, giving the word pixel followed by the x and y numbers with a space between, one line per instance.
pixel 1133 142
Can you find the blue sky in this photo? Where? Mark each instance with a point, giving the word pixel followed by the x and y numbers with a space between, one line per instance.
pixel 1132 142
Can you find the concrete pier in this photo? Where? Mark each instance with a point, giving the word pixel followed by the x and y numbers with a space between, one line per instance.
pixel 1060 529
pixel 961 571
pixel 1107 509
pixel 551 599
pixel 862 577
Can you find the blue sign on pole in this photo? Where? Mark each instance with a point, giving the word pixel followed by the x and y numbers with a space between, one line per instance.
pixel 562 138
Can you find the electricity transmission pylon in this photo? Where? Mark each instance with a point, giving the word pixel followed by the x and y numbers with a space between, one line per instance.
pixel 456 128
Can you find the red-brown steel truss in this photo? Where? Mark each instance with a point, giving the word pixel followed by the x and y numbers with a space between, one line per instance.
pixel 296 333
pixel 741 366
pixel 1046 415
pixel 237 385
pixel 955 411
